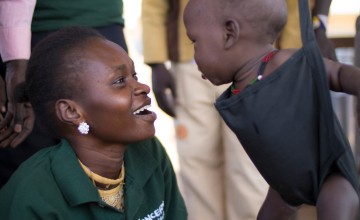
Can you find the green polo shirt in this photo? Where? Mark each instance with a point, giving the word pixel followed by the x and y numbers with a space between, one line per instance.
pixel 52 185
pixel 52 15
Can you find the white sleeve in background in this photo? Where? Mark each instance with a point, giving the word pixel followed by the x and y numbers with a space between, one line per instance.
pixel 15 28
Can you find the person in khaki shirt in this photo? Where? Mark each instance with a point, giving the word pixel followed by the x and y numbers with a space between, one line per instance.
pixel 290 37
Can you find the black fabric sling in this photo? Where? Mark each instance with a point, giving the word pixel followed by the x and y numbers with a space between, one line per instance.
pixel 287 126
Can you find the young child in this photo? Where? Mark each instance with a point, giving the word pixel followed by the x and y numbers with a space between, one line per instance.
pixel 108 164
pixel 279 104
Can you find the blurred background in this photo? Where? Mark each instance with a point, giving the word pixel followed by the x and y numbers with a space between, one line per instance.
pixel 164 124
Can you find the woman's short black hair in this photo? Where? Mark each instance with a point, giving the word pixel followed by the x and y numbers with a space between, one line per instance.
pixel 53 70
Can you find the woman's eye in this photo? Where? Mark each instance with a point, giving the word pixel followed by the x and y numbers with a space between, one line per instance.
pixel 123 79
pixel 119 81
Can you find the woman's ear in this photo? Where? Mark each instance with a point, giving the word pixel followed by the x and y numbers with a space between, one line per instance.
pixel 68 111
pixel 232 33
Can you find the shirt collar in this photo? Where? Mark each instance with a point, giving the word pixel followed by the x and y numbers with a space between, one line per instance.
pixel 71 179
pixel 78 189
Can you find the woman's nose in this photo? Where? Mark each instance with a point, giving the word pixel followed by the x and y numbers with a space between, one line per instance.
pixel 142 89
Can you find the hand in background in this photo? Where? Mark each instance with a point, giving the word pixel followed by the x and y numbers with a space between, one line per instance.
pixel 2 99
pixel 327 48
pixel 163 86
pixel 19 117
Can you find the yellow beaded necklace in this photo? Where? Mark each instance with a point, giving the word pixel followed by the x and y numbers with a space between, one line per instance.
pixel 113 197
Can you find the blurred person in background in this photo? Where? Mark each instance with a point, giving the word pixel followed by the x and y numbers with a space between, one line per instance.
pixel 290 37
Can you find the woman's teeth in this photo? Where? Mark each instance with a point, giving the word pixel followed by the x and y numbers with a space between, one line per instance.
pixel 141 109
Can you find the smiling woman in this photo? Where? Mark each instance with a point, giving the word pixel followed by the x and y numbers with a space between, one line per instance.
pixel 84 88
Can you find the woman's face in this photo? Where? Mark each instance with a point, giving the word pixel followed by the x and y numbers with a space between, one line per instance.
pixel 114 103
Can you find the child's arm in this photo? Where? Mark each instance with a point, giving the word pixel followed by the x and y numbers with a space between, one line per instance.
pixel 344 78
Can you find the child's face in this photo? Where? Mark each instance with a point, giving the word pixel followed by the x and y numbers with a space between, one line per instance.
pixel 113 96
pixel 205 32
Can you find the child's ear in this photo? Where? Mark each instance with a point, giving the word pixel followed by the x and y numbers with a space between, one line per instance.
pixel 68 111
pixel 232 33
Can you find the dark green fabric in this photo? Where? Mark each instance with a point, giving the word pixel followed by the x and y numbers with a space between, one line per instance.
pixel 55 14
pixel 52 185
pixel 286 124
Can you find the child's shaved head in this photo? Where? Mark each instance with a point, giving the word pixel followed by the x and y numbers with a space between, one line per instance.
pixel 265 17
pixel 227 34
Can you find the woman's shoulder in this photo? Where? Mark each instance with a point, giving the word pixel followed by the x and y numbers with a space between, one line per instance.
pixel 31 180
pixel 33 167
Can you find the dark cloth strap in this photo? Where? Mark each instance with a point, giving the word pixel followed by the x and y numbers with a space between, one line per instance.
pixel 307 31
pixel 315 60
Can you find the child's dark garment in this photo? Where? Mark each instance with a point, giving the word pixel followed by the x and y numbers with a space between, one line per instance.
pixel 287 126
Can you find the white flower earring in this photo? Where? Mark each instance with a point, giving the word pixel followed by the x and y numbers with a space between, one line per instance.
pixel 83 128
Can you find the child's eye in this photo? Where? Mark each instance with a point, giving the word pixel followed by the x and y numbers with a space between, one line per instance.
pixel 135 76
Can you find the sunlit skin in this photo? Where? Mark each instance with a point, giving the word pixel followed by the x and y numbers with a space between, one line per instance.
pixel 110 95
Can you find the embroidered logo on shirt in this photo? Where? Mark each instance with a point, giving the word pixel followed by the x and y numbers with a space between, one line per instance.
pixel 157 214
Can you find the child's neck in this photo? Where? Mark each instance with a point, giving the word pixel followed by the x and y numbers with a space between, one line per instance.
pixel 248 73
